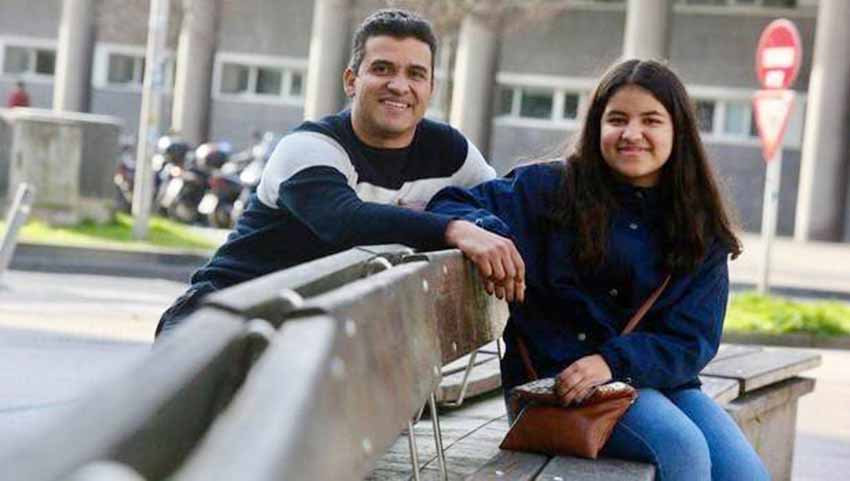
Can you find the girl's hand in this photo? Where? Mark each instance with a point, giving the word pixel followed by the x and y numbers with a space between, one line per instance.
pixel 577 381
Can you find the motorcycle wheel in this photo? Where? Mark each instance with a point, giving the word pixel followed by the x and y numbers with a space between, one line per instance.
pixel 121 202
pixel 220 217
pixel 183 210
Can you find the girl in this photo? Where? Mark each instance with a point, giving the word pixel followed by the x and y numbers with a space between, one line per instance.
pixel 634 202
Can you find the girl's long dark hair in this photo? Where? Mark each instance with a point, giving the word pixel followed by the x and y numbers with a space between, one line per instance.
pixel 694 211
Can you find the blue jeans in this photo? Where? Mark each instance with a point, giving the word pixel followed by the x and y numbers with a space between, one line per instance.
pixel 687 436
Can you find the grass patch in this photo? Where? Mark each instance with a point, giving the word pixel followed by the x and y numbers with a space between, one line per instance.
pixel 162 233
pixel 754 313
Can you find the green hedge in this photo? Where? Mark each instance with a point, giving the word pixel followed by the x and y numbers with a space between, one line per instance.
pixel 753 313
pixel 162 233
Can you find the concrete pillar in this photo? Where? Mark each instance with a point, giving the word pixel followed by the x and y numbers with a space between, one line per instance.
pixel 474 79
pixel 824 166
pixel 73 58
pixel 329 48
pixel 195 49
pixel 648 26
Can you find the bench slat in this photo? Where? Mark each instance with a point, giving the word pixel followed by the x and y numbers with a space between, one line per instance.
pixel 339 394
pixel 153 414
pixel 720 389
pixel 484 378
pixel 762 368
pixel 512 465
pixel 578 469
pixel 265 298
pixel 728 351
pixel 469 317
pixel 485 354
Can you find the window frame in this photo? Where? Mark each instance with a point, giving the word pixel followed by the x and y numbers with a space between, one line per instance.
pixel 288 66
pixel 560 88
pixel 100 73
pixel 722 96
pixel 32 45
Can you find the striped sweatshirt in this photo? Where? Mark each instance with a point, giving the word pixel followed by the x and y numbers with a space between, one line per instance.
pixel 324 191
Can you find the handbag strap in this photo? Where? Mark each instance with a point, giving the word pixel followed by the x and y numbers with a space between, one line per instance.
pixel 630 326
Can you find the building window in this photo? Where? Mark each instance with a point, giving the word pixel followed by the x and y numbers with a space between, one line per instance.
pixel 23 60
pixel 705 115
pixel 535 104
pixel 571 102
pixel 538 103
pixel 297 84
pixel 506 101
pixel 234 78
pixel 269 81
pixel 125 69
pixel 738 119
pixel 260 79
pixel 122 67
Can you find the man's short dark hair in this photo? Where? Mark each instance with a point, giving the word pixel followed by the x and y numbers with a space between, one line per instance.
pixel 392 22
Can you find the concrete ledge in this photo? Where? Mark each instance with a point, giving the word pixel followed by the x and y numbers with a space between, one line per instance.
pixel 173 265
pixel 789 340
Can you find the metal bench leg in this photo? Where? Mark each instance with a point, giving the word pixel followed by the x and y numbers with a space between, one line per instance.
pixel 438 437
pixel 465 383
pixel 414 454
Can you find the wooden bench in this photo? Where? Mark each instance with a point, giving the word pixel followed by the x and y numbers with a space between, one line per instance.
pixel 313 373
pixel 758 386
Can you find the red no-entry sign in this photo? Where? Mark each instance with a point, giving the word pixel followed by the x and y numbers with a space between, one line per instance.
pixel 778 59
pixel 779 55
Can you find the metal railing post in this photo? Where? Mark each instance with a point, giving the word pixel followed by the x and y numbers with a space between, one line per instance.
pixel 19 211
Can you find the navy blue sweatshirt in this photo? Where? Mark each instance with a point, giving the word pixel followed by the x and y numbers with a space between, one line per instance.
pixel 324 191
pixel 568 314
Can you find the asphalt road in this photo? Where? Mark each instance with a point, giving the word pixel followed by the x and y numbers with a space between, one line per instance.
pixel 62 333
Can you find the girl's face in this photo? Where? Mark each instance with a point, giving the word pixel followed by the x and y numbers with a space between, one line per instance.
pixel 636 136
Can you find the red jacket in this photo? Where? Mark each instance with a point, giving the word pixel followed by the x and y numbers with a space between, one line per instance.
pixel 18 98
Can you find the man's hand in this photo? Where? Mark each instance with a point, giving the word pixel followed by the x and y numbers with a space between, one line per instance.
pixel 498 260
pixel 577 381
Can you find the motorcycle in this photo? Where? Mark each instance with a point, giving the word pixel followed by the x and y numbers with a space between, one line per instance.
pixel 170 152
pixel 232 186
pixel 125 175
pixel 186 188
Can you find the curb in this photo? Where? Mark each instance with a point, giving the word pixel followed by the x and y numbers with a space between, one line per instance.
pixel 789 340
pixel 172 265
pixel 791 291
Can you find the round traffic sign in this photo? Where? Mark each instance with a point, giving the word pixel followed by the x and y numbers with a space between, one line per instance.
pixel 779 54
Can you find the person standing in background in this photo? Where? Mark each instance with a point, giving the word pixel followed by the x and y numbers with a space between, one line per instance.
pixel 18 97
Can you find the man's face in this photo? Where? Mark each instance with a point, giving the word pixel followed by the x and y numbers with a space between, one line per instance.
pixel 391 90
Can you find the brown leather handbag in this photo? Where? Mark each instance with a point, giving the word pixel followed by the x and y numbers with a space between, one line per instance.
pixel 546 426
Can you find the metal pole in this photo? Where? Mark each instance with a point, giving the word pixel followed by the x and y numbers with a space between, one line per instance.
pixel 438 437
pixel 149 117
pixel 769 217
pixel 414 453
pixel 16 218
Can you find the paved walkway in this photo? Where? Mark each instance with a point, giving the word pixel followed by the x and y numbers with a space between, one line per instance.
pixel 811 268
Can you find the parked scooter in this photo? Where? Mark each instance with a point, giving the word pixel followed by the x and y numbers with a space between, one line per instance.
pixel 171 153
pixel 232 186
pixel 183 194
pixel 125 175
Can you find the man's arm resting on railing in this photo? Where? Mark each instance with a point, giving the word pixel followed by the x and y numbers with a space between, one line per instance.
pixel 499 263
pixel 321 198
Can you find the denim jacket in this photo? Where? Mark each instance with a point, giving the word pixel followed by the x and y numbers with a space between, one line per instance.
pixel 569 314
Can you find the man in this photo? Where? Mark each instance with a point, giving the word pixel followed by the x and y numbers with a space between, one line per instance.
pixel 362 176
pixel 18 97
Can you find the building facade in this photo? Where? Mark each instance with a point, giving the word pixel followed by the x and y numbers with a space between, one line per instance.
pixel 260 51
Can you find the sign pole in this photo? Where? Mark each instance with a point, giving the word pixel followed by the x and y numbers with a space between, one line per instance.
pixel 152 93
pixel 778 58
pixel 770 209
